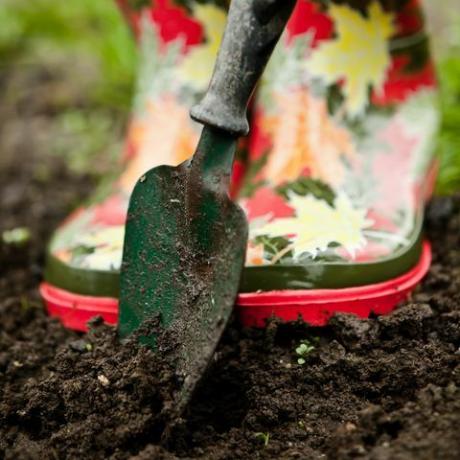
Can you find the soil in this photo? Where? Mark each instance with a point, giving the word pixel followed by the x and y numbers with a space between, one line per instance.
pixel 383 388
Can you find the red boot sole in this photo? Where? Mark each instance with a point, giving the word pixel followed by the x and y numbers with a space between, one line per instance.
pixel 317 306
pixel 314 306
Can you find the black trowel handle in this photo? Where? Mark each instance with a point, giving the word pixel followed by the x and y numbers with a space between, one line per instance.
pixel 252 31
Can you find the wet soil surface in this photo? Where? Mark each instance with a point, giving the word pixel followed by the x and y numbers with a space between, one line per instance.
pixel 383 388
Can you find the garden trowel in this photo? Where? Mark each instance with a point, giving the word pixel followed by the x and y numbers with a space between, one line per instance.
pixel 185 238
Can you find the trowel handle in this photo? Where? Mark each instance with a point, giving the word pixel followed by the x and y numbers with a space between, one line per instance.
pixel 253 29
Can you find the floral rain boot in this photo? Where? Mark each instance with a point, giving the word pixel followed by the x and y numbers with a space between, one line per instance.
pixel 178 44
pixel 340 153
pixel 341 164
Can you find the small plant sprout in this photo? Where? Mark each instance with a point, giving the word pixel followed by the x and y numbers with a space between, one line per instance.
pixel 17 236
pixel 265 437
pixel 25 304
pixel 305 347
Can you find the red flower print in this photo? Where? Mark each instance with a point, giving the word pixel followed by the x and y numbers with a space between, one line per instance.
pixel 173 22
pixel 266 202
pixel 307 17
pixel 410 19
pixel 401 83
pixel 111 212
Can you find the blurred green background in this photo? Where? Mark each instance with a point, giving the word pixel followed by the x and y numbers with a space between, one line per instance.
pixel 67 71
pixel 89 51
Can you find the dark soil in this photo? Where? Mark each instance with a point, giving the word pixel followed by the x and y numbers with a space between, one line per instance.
pixel 384 388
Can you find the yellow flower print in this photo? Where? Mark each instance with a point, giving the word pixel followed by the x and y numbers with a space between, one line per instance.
pixel 317 224
pixel 359 54
pixel 196 68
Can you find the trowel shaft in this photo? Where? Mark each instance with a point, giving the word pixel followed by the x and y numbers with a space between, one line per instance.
pixel 253 29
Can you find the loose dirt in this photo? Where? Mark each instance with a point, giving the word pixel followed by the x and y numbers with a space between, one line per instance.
pixel 383 388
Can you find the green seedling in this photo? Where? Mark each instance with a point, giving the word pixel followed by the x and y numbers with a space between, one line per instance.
pixel 304 349
pixel 17 236
pixel 265 437
pixel 25 304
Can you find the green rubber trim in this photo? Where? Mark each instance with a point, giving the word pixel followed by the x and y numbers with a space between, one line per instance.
pixel 320 275
pixel 96 283
pixel 329 275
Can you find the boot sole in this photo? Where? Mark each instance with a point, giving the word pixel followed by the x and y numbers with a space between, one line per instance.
pixel 315 306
